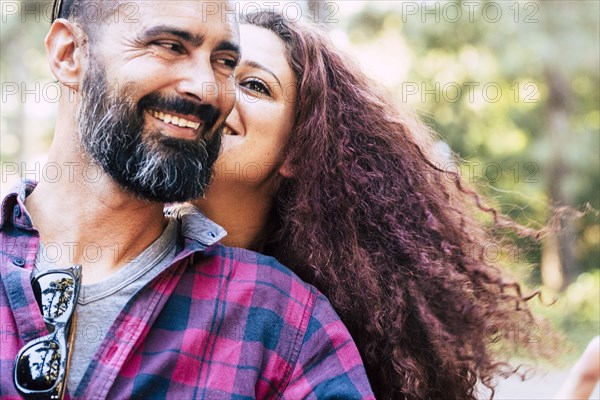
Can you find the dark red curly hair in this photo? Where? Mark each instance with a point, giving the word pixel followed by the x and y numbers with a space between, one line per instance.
pixel 370 219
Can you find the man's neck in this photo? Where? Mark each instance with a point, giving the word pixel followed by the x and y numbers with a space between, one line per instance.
pixel 93 222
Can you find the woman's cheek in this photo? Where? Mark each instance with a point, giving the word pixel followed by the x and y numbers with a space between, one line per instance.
pixel 227 143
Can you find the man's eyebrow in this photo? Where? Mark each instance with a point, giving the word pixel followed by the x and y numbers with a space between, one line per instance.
pixel 226 45
pixel 254 64
pixel 194 40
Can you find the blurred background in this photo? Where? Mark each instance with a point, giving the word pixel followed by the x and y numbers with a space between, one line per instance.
pixel 511 87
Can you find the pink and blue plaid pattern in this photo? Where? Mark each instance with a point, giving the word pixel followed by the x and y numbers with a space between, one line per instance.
pixel 220 323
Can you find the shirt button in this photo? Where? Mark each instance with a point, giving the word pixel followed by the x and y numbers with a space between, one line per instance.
pixel 17 211
pixel 18 261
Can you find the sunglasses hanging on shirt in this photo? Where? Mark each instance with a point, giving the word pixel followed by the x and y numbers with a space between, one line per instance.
pixel 41 366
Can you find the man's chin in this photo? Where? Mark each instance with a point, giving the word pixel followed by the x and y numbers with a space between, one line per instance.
pixel 163 192
pixel 167 169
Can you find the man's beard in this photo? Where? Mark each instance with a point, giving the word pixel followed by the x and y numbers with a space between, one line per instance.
pixel 147 163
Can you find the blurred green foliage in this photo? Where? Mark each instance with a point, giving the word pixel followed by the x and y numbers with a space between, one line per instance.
pixel 513 88
pixel 490 83
pixel 576 312
pixel 28 104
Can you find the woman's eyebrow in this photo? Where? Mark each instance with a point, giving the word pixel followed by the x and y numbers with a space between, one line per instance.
pixel 254 64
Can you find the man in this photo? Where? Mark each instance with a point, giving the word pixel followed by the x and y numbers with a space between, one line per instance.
pixel 164 310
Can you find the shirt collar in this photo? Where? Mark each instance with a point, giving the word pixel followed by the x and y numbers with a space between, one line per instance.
pixel 13 206
pixel 195 225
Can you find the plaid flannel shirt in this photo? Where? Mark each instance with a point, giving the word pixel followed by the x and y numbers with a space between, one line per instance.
pixel 219 323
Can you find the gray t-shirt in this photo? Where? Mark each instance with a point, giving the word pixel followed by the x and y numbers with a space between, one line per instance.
pixel 99 304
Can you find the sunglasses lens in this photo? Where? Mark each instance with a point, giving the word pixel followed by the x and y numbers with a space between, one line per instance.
pixel 38 368
pixel 56 295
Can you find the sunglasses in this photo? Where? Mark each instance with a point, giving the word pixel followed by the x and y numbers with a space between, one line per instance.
pixel 41 366
pixel 56 9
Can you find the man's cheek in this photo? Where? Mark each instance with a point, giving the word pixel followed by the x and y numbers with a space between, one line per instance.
pixel 229 97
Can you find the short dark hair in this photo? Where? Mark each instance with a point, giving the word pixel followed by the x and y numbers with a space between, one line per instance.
pixel 75 10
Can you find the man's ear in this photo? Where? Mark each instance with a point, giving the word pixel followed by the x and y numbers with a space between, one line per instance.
pixel 66 52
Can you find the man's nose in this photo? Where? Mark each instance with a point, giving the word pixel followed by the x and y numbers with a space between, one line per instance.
pixel 199 82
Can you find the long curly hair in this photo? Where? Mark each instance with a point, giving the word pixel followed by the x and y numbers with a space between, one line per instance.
pixel 391 238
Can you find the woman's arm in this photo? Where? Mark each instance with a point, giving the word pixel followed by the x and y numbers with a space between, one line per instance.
pixel 584 375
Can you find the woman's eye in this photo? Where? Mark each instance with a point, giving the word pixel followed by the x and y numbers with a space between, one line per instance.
pixel 256 86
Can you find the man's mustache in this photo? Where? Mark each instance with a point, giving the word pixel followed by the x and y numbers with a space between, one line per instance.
pixel 177 105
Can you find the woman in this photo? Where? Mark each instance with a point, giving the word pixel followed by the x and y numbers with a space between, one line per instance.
pixel 584 375
pixel 320 171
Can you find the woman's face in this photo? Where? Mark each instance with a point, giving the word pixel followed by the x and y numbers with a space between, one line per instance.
pixel 259 125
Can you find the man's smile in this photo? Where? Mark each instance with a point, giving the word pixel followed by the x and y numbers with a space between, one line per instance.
pixel 183 128
pixel 174 119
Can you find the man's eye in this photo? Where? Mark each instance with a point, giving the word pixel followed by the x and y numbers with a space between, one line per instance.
pixel 256 86
pixel 230 63
pixel 173 47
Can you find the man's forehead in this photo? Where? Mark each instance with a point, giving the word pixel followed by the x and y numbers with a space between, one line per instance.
pixel 214 16
pixel 223 10
pixel 95 13
pixel 98 8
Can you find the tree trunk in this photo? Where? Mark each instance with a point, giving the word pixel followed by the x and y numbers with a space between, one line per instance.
pixel 558 267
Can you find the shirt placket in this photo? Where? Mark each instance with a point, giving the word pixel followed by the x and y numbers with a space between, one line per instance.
pixel 128 332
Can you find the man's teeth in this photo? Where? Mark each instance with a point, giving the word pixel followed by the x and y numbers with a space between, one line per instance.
pixel 175 120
